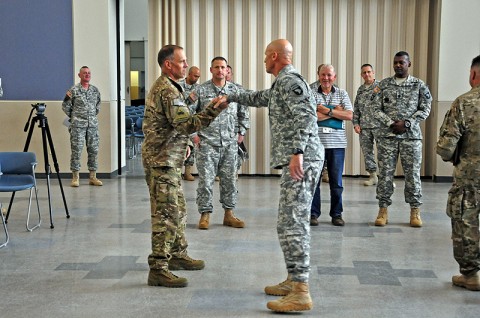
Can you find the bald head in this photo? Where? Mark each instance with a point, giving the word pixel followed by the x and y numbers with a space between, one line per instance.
pixel 193 75
pixel 278 54
pixel 283 48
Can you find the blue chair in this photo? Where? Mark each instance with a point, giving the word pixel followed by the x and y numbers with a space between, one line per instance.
pixel 3 220
pixel 139 136
pixel 18 173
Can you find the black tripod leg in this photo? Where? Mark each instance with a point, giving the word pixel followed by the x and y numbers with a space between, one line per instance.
pixel 55 164
pixel 48 171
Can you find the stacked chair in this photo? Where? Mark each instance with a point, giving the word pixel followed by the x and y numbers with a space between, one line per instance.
pixel 133 129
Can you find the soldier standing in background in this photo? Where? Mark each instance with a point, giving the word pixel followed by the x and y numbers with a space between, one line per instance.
pixel 82 104
pixel 166 125
pixel 298 152
pixel 400 103
pixel 242 149
pixel 459 142
pixel 365 123
pixel 217 147
pixel 189 84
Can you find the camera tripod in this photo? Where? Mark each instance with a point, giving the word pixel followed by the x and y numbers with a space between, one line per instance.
pixel 46 136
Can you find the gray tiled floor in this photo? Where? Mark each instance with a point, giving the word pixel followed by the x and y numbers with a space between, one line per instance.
pixel 94 264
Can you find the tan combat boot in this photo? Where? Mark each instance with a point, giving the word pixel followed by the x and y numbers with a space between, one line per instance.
pixel 188 174
pixel 93 179
pixel 372 180
pixel 471 282
pixel 231 220
pixel 281 289
pixel 161 277
pixel 415 220
pixel 297 300
pixel 204 220
pixel 75 179
pixel 382 217
pixel 185 262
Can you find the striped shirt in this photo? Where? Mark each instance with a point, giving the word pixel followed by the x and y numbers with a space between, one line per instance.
pixel 337 138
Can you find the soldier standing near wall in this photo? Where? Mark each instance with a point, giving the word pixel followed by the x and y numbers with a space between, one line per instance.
pixel 189 84
pixel 82 104
pixel 242 149
pixel 459 142
pixel 365 123
pixel 400 103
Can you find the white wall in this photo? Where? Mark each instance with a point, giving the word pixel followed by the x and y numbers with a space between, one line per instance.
pixel 136 20
pixel 459 44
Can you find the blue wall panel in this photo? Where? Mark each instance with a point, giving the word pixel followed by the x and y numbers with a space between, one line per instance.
pixel 36 49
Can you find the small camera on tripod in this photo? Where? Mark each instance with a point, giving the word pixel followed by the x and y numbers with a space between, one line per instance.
pixel 39 107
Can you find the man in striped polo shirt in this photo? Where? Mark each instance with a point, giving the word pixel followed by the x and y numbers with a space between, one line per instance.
pixel 333 109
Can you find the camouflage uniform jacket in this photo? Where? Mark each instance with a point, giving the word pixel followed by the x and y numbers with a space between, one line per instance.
pixel 167 124
pixel 462 125
pixel 363 114
pixel 233 120
pixel 292 114
pixel 83 107
pixel 410 100
pixel 187 89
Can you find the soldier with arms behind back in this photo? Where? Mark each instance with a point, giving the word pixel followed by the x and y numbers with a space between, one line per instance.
pixel 82 105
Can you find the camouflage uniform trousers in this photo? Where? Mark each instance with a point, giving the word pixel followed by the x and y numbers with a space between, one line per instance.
pixel 78 136
pixel 293 224
pixel 240 161
pixel 410 152
pixel 367 143
pixel 216 161
pixel 463 208
pixel 168 215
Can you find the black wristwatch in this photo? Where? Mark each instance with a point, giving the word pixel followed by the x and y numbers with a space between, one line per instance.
pixel 330 112
pixel 297 151
pixel 407 123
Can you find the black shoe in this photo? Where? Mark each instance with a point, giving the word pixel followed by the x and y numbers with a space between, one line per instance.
pixel 338 221
pixel 313 220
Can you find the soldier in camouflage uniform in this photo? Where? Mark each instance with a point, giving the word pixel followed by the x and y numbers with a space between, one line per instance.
pixel 459 142
pixel 242 149
pixel 82 104
pixel 400 103
pixel 365 123
pixel 189 84
pixel 167 125
pixel 217 147
pixel 298 152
